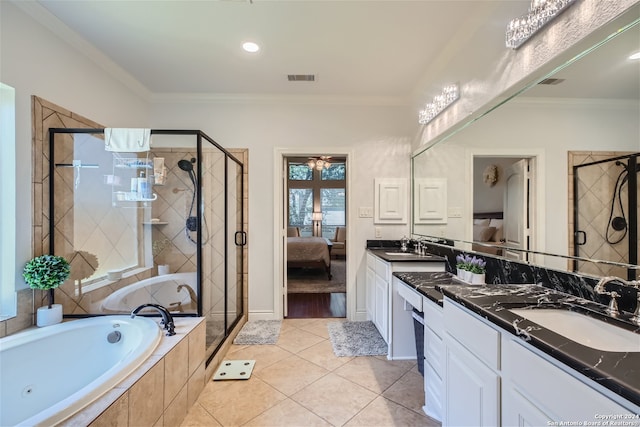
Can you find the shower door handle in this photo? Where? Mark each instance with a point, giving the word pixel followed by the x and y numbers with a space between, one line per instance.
pixel 243 238
pixel 576 236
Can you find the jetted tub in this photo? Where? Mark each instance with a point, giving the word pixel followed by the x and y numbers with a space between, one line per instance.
pixel 48 374
pixel 174 291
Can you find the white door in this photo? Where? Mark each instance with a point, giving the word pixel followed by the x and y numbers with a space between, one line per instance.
pixel 516 209
pixel 283 235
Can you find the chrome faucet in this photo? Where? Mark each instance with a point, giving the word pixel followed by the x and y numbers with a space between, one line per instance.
pixel 613 304
pixel 403 243
pixel 167 319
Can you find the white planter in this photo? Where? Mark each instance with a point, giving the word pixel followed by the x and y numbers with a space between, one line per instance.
pixel 46 316
pixel 477 279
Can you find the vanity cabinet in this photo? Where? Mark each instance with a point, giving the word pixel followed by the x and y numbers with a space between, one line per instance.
pixel 434 358
pixel 472 369
pixel 535 391
pixel 492 377
pixel 388 311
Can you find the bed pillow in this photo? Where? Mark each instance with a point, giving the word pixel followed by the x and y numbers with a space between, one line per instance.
pixel 483 233
pixel 499 234
pixel 482 221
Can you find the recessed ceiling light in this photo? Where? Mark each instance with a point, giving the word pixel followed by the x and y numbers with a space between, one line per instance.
pixel 635 56
pixel 250 47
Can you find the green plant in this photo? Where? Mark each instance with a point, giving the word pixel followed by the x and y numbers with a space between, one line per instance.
pixel 46 273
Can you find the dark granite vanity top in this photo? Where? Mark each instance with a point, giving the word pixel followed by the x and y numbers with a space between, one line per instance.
pixel 617 371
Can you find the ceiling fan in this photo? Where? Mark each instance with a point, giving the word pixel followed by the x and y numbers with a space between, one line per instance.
pixel 319 163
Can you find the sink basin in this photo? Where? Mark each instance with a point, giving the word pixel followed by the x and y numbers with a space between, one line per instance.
pixel 583 329
pixel 401 254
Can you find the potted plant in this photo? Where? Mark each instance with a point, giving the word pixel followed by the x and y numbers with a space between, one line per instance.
pixel 477 266
pixel 46 273
pixel 463 266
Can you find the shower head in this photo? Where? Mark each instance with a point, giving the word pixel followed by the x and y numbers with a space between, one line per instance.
pixel 185 165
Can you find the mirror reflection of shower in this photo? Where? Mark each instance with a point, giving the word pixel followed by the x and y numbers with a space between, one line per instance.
pixel 618 223
pixel 191 224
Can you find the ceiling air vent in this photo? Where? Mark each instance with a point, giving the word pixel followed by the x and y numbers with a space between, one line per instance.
pixel 301 77
pixel 551 82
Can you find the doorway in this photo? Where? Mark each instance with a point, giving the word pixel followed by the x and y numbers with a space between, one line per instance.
pixel 315 216
pixel 503 208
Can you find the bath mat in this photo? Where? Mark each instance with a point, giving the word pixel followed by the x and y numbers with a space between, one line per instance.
pixel 259 332
pixel 234 370
pixel 356 339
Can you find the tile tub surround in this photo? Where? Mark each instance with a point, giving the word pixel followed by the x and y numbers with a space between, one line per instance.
pixel 161 391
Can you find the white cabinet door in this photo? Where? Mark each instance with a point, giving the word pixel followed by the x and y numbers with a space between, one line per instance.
pixel 472 389
pixel 517 410
pixel 391 201
pixel 381 319
pixel 371 293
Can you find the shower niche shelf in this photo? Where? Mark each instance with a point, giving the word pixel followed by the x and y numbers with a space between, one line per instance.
pixel 125 170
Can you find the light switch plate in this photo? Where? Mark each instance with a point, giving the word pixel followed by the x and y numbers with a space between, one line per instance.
pixel 365 212
pixel 454 212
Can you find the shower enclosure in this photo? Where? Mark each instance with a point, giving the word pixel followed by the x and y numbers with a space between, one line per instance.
pixel 162 226
pixel 605 214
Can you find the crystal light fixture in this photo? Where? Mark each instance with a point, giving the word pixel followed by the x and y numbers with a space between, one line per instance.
pixel 540 13
pixel 319 163
pixel 449 95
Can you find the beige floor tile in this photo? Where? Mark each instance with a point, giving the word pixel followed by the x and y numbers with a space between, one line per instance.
pixel 334 398
pixel 319 328
pixel 375 374
pixel 408 391
pixel 288 324
pixel 322 355
pixel 296 340
pixel 233 403
pixel 291 374
pixel 264 355
pixel 385 413
pixel 288 413
pixel 199 417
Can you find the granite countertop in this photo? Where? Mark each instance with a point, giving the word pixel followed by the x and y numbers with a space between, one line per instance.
pixel 396 255
pixel 617 371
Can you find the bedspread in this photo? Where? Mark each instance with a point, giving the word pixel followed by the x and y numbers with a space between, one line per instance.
pixel 308 249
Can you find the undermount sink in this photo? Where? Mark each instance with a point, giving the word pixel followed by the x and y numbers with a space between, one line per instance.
pixel 583 329
pixel 401 254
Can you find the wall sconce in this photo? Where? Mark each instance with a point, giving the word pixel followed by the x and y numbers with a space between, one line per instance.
pixel 449 95
pixel 317 219
pixel 540 13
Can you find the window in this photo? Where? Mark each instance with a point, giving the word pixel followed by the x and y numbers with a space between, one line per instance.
pixel 7 202
pixel 317 191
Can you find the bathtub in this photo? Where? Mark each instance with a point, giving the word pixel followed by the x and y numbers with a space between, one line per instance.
pixel 48 374
pixel 168 290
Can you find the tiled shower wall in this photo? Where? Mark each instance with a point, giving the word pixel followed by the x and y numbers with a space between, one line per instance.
pixel 596 184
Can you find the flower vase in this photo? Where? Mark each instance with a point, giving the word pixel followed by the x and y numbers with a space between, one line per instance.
pixel 477 278
pixel 46 316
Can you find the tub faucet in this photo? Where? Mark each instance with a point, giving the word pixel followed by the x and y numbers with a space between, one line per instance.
pixel 613 304
pixel 167 319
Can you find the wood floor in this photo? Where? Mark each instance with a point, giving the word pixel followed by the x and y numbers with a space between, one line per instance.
pixel 304 306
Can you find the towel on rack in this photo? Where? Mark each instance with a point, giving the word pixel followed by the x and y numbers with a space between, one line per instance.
pixel 125 140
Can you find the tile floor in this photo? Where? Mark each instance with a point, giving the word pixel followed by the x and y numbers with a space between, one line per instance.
pixel 300 382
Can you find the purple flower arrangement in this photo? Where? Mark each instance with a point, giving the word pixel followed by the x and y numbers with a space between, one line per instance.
pixel 472 264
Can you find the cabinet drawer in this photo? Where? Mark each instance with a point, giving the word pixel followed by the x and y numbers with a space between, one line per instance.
pixel 433 316
pixel 479 338
pixel 434 351
pixel 410 296
pixel 381 268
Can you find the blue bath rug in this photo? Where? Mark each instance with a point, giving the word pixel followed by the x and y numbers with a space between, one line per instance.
pixel 356 339
pixel 258 332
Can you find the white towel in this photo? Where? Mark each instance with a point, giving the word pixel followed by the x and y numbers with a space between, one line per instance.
pixel 127 140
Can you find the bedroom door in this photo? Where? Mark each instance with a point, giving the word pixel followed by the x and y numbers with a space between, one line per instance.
pixel 516 210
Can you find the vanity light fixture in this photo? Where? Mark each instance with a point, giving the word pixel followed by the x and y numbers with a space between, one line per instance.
pixel 449 95
pixel 540 13
pixel 635 56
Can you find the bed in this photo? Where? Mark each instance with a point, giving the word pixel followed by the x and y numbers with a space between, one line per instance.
pixel 309 252
pixel 487 229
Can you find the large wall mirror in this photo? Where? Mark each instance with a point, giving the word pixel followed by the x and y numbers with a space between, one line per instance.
pixel 508 176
